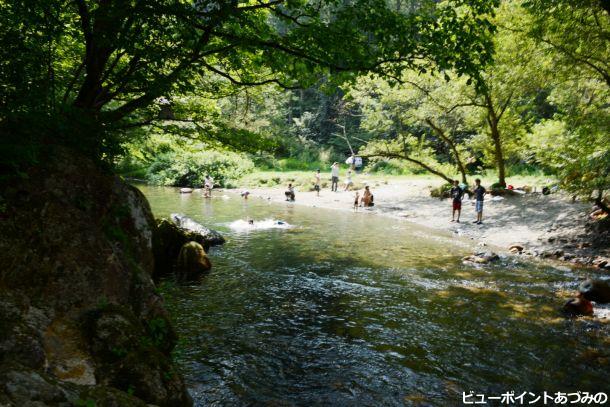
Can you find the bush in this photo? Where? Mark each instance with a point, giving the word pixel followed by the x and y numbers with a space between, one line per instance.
pixel 442 192
pixel 390 167
pixel 188 169
pixel 295 164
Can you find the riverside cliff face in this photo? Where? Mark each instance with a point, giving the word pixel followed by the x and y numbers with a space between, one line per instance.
pixel 80 320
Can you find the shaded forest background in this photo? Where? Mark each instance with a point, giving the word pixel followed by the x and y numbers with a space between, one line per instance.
pixel 456 88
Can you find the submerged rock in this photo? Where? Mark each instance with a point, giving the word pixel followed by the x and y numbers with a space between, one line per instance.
pixel 481 258
pixel 192 262
pixel 596 290
pixel 75 267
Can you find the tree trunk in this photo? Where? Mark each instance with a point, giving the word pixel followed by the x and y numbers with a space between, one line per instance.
pixel 498 153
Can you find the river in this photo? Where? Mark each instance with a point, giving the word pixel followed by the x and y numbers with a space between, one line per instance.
pixel 355 309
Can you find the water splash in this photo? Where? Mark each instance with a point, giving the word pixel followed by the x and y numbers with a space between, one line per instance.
pixel 247 226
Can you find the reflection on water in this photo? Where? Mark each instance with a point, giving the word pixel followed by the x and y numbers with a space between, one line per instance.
pixel 354 309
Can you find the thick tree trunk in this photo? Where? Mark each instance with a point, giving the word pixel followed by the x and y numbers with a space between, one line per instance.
pixel 498 153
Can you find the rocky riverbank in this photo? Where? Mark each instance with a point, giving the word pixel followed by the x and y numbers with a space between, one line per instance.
pixel 81 322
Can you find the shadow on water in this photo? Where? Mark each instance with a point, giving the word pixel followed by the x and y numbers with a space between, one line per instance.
pixel 350 309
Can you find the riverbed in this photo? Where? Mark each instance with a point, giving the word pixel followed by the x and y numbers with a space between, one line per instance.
pixel 340 308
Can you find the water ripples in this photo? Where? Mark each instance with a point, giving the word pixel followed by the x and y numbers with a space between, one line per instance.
pixel 361 310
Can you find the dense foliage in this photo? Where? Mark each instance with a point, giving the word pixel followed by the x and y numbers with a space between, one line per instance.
pixel 451 87
pixel 86 73
pixel 190 169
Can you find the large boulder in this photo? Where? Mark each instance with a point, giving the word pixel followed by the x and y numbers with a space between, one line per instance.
pixel 76 242
pixel 171 235
pixel 209 236
pixel 596 290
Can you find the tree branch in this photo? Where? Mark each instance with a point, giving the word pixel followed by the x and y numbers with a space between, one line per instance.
pixel 242 83
pixel 261 5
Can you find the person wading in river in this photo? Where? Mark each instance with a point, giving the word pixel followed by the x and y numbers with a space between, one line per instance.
pixel 456 194
pixel 334 176
pixel 367 197
pixel 289 193
pixel 208 185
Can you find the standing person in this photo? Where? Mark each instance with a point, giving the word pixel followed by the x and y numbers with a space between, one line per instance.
pixel 316 185
pixel 289 193
pixel 457 194
pixel 334 176
pixel 348 180
pixel 208 185
pixel 356 200
pixel 479 195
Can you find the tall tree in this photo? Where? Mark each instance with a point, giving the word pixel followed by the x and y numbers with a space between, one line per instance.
pixel 99 65
pixel 507 86
pixel 576 32
pixel 421 104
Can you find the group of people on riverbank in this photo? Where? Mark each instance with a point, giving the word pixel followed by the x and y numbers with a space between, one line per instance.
pixel 457 193
pixel 366 200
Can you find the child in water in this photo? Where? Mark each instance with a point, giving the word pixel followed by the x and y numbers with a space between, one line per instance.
pixel 356 200
pixel 367 197
pixel 289 193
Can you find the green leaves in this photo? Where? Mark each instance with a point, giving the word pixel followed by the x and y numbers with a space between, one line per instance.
pixel 113 59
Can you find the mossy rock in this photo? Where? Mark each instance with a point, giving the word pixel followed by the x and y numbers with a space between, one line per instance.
pixel 103 396
pixel 192 262
pixel 113 331
pixel 134 358
pixel 83 237
pixel 168 239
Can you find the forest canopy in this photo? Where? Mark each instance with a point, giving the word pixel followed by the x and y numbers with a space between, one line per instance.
pixel 108 66
pixel 452 88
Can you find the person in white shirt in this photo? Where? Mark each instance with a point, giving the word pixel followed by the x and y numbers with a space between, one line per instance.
pixel 208 185
pixel 348 180
pixel 334 176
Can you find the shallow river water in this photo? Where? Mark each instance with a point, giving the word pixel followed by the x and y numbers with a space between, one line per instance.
pixel 352 309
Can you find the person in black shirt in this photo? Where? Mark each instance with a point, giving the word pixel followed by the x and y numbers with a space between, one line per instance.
pixel 456 194
pixel 479 195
